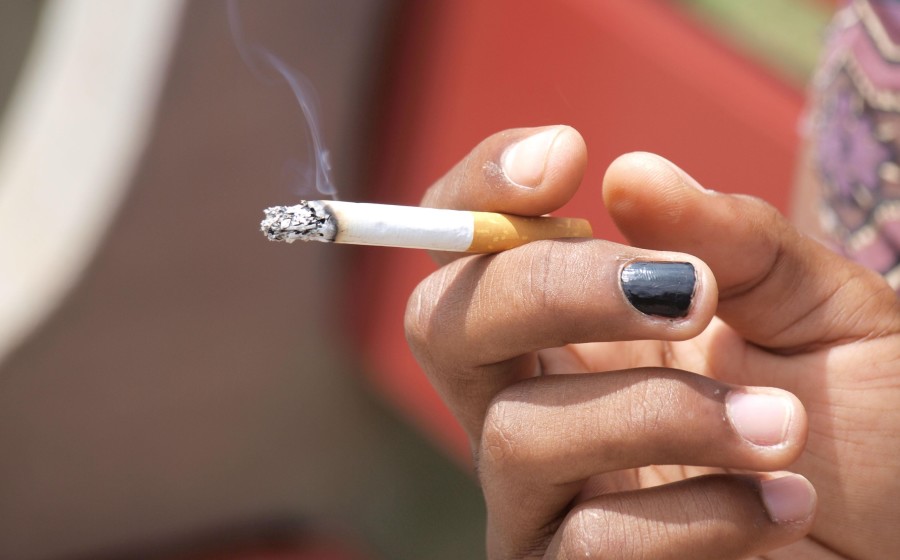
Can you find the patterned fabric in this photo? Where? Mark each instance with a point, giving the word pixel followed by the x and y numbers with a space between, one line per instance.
pixel 856 135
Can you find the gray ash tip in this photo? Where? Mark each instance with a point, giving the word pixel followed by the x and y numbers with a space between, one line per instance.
pixel 307 221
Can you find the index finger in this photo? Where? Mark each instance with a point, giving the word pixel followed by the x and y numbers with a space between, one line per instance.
pixel 523 171
pixel 779 289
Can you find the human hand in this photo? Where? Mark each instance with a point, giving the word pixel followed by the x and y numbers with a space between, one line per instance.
pixel 778 354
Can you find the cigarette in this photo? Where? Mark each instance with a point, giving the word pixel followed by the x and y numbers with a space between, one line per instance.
pixel 413 227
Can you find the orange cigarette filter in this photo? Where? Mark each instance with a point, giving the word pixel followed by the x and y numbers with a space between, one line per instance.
pixel 494 232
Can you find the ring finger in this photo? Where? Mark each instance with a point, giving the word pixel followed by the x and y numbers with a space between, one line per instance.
pixel 544 437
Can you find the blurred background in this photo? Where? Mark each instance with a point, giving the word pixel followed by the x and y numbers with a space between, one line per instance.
pixel 174 386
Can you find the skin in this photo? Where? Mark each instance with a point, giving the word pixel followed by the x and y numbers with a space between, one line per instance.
pixel 570 465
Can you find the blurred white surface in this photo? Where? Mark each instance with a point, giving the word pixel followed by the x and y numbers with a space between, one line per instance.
pixel 71 138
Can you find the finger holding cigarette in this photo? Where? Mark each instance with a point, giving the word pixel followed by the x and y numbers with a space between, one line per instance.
pixel 521 174
pixel 413 227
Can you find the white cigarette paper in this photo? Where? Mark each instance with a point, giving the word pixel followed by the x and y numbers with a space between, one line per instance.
pixel 413 227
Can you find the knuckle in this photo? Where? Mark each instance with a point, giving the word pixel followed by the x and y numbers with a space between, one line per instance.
pixel 770 234
pixel 426 314
pixel 644 410
pixel 611 532
pixel 500 439
pixel 509 447
pixel 553 273
pixel 596 534
pixel 659 401
pixel 417 318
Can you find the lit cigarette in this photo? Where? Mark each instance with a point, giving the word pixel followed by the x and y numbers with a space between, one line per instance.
pixel 413 227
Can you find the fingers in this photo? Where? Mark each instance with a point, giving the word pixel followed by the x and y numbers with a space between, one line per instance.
pixel 474 324
pixel 526 171
pixel 778 288
pixel 713 517
pixel 545 436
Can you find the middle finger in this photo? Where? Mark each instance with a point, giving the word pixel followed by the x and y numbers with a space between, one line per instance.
pixel 474 324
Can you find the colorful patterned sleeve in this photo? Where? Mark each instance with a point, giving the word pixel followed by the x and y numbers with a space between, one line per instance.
pixel 855 135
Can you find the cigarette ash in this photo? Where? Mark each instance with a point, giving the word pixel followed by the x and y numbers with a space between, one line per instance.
pixel 307 221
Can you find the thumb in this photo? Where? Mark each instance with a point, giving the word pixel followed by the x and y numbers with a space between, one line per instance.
pixel 777 287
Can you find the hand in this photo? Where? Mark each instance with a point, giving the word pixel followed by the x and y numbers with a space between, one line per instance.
pixel 727 348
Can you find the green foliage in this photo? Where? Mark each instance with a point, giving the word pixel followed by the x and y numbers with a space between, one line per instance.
pixel 783 34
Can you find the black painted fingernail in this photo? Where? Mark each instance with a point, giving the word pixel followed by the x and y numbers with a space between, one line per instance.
pixel 659 288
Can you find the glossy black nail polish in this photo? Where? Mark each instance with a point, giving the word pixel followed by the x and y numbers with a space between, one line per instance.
pixel 659 288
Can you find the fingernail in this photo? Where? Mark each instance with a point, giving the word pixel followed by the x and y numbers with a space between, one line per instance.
pixel 759 418
pixel 524 162
pixel 659 288
pixel 788 499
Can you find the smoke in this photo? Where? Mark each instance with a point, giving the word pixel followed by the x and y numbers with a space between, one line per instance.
pixel 259 59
